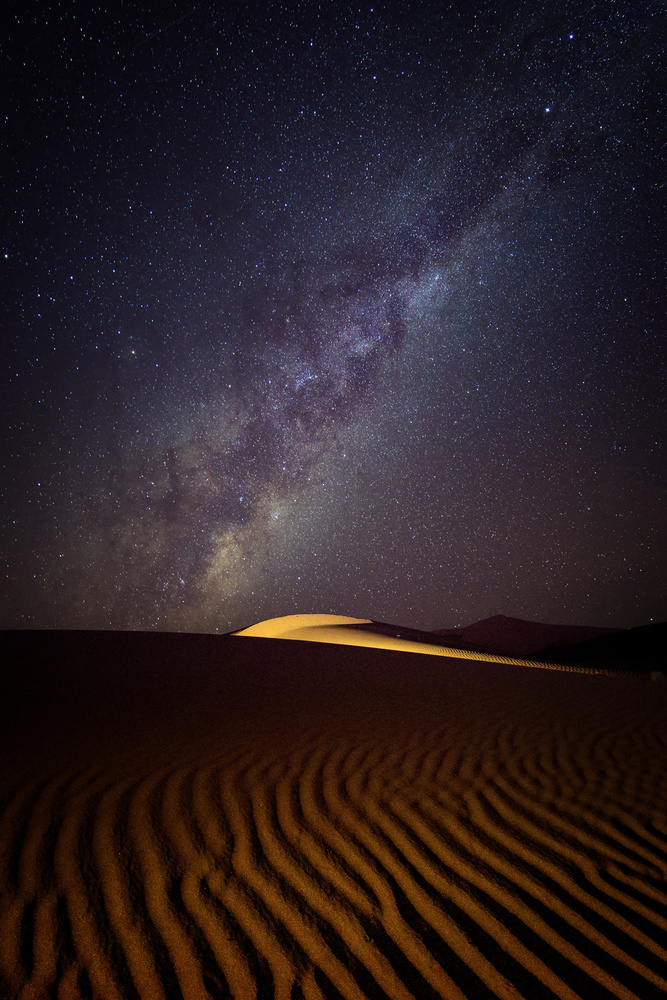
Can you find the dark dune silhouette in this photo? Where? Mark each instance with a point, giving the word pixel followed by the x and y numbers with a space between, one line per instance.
pixel 518 637
pixel 640 648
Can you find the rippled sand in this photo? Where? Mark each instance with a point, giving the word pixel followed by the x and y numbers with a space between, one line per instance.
pixel 252 817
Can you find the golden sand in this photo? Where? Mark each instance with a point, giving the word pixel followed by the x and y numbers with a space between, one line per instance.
pixel 230 817
pixel 344 631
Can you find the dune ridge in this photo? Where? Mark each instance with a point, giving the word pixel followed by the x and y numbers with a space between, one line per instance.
pixel 432 831
pixel 346 631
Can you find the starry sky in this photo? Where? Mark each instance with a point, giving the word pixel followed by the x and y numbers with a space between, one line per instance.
pixel 333 307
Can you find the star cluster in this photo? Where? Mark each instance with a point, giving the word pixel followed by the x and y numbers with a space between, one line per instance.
pixel 348 309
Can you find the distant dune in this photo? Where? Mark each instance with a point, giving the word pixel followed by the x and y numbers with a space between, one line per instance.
pixel 518 637
pixel 249 816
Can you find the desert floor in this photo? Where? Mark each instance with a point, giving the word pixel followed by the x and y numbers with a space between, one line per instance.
pixel 202 816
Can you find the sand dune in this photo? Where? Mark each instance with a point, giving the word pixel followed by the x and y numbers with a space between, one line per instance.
pixel 519 637
pixel 186 816
pixel 345 631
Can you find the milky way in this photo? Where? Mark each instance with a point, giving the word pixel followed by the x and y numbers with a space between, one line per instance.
pixel 358 311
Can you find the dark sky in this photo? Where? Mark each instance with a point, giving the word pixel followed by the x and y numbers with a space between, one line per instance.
pixel 335 308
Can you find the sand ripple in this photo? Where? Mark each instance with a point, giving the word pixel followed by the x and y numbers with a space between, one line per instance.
pixel 418 863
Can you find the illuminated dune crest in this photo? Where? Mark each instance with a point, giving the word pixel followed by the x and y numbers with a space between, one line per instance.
pixel 345 631
pixel 301 626
pixel 348 631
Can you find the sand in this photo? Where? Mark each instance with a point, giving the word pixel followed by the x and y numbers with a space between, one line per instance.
pixel 250 817
pixel 344 631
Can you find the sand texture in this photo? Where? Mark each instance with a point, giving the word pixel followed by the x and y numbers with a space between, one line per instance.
pixel 251 817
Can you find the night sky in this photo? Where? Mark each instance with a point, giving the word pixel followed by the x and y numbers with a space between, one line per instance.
pixel 319 307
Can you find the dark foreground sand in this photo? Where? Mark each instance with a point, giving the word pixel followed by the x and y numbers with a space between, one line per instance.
pixel 194 816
